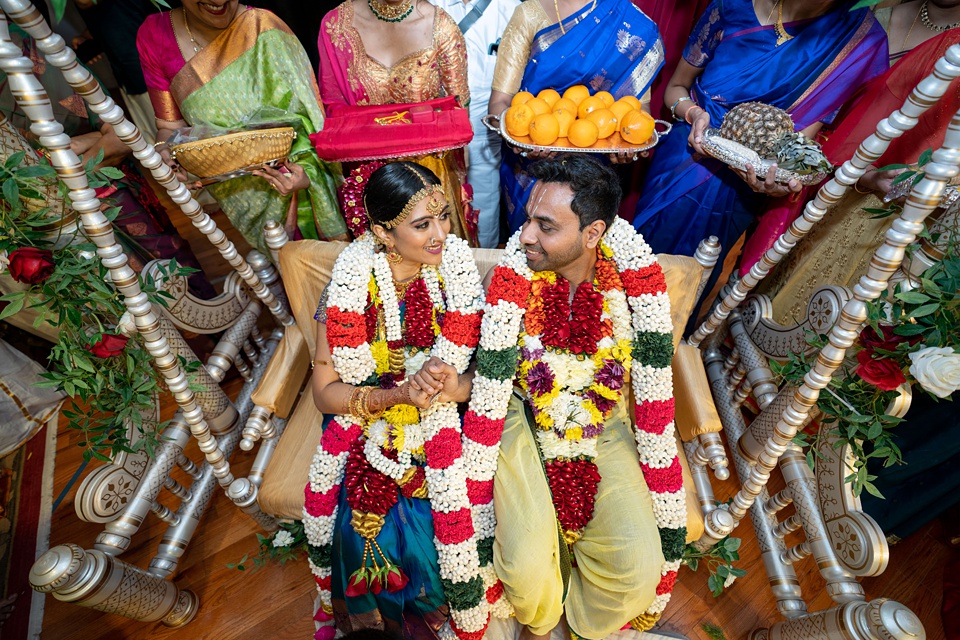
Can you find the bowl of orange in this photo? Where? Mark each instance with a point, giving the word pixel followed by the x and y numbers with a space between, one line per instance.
pixel 577 121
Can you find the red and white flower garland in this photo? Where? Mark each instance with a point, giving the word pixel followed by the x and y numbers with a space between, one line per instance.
pixel 439 428
pixel 498 356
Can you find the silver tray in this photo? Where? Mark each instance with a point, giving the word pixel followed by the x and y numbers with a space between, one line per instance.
pixel 613 144
pixel 738 156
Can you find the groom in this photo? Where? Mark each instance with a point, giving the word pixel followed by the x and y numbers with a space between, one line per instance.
pixel 576 305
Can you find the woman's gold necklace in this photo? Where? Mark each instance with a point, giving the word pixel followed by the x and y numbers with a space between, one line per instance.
pixel 782 35
pixel 401 287
pixel 928 23
pixel 556 7
pixel 193 41
pixel 390 13
pixel 903 47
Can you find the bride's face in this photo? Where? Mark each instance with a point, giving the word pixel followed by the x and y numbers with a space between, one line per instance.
pixel 419 238
pixel 215 14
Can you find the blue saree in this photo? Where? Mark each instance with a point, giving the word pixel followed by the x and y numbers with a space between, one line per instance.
pixel 610 47
pixel 685 197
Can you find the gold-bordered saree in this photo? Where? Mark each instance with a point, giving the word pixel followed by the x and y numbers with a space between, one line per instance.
pixel 255 63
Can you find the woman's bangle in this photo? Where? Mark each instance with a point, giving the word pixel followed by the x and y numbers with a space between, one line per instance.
pixel 856 187
pixel 673 109
pixel 686 116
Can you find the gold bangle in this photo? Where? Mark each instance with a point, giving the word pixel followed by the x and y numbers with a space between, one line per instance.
pixel 686 116
pixel 314 363
pixel 856 187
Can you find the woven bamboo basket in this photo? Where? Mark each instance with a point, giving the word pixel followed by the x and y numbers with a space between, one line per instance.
pixel 223 154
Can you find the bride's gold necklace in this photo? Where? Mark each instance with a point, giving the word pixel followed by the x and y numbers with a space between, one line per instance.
pixel 401 287
pixel 390 13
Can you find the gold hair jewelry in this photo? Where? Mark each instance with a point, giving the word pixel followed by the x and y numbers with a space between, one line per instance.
pixel 435 204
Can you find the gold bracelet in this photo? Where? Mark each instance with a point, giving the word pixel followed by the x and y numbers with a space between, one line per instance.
pixel 369 415
pixel 856 187
pixel 314 363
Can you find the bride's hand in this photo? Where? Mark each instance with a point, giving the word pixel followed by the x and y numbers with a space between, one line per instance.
pixel 437 377
pixel 416 397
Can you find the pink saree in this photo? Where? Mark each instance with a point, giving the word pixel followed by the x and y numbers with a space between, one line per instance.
pixel 348 75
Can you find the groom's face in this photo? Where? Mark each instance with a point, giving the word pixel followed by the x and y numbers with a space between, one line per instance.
pixel 551 237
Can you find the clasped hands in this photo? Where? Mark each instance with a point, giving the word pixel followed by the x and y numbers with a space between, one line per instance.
pixel 436 381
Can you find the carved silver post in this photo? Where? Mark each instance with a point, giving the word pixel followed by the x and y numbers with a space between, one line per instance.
pixel 788 526
pixel 255 427
pixel 96 580
pixel 778 501
pixel 244 495
pixel 711 449
pixel 265 453
pixel 707 254
pixel 275 236
pixel 701 481
pixel 176 488
pixel 32 98
pixel 923 199
pixel 881 618
pixel 28 18
pixel 188 466
pixel 925 95
pixel 782 577
pixel 751 443
pixel 228 347
pixel 117 534
pixel 796 553
pixel 165 514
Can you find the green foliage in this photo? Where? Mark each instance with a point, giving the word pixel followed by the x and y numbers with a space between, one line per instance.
pixel 719 561
pixel 296 546
pixel 902 184
pixel 713 631
pixel 927 312
pixel 106 394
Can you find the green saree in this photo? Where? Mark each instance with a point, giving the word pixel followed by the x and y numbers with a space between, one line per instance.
pixel 258 63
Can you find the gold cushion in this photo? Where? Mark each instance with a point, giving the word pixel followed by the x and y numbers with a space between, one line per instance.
pixel 695 412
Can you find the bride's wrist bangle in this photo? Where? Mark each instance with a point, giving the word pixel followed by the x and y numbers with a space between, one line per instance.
pixel 673 109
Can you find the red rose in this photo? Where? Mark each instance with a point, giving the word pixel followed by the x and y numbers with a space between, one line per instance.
pixel 396 579
pixel 111 344
pixel 358 585
pixel 30 265
pixel 888 341
pixel 884 373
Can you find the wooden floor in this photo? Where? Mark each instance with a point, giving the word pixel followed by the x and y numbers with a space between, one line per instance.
pixel 276 602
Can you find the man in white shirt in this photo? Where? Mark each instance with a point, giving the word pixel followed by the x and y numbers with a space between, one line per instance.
pixel 483 153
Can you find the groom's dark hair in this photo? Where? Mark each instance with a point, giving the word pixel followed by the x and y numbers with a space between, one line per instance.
pixel 596 188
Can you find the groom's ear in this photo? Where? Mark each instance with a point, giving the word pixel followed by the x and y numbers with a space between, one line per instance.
pixel 593 232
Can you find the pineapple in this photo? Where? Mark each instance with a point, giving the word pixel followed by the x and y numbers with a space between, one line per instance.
pixel 798 153
pixel 756 126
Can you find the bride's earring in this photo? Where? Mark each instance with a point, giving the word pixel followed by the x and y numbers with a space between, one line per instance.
pixel 393 257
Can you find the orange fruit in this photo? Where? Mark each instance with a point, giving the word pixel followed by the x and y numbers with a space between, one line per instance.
pixel 550 96
pixel 620 108
pixel 583 133
pixel 589 104
pixel 521 98
pixel 636 127
pixel 632 100
pixel 578 93
pixel 605 96
pixel 565 119
pixel 517 120
pixel 605 120
pixel 566 104
pixel 545 129
pixel 539 106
